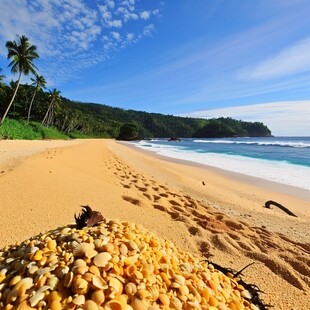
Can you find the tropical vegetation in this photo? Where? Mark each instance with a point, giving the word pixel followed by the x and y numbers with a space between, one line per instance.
pixel 46 114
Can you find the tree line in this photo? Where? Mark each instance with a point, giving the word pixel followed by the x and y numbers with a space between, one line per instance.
pixel 32 103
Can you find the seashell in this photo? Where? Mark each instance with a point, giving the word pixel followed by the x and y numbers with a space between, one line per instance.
pixel 43 271
pixel 79 262
pixel 91 253
pixel 186 268
pixel 114 305
pixel 38 255
pixel 52 282
pixel 102 259
pixel 94 270
pixel 54 296
pixel 51 244
pixel 222 306
pixel 213 301
pixel 104 240
pixel 34 249
pixel 179 279
pixel 34 300
pixel 15 280
pixel 195 304
pixel 90 305
pixel 123 299
pixel 43 289
pixel 143 294
pixel 55 305
pixel 116 285
pixel 26 282
pixel 138 304
pixel 79 285
pixel 68 279
pixel 98 243
pixel 175 303
pixel 165 300
pixel 246 294
pixel 130 270
pixel 123 249
pixel 184 290
pixel 80 249
pixel 165 278
pixel 146 273
pixel 133 245
pixel 100 283
pixel 80 270
pixel 98 297
pixel 79 300
pixel 88 276
pixel 109 247
pixel 154 292
pixel 129 236
pixel 130 288
pixel 65 230
pixel 205 293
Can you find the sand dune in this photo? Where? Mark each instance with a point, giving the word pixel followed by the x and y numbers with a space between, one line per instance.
pixel 221 221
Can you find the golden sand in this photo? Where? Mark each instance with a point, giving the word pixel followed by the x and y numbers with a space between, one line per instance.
pixel 222 220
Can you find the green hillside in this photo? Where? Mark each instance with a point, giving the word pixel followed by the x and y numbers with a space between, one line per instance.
pixel 76 119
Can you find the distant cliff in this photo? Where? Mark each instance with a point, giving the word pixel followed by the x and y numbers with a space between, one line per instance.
pixel 228 127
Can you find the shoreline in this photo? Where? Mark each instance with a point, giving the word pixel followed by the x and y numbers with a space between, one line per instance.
pixel 281 188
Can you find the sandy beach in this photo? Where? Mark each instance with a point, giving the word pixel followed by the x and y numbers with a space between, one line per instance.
pixel 215 215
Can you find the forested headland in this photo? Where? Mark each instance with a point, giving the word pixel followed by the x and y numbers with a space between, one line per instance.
pixel 30 112
pixel 77 119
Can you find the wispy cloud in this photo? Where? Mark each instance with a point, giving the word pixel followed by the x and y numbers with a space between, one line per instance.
pixel 289 118
pixel 292 60
pixel 79 33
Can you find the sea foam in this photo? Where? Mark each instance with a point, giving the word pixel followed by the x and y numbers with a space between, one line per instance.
pixel 276 171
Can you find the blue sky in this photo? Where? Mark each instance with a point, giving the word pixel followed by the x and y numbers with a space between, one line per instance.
pixel 207 58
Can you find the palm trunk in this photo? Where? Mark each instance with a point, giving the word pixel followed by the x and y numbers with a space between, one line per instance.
pixel 12 100
pixel 29 111
pixel 47 112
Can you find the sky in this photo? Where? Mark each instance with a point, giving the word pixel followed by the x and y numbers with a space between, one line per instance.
pixel 244 59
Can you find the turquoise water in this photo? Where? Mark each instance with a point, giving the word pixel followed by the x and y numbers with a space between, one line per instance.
pixel 281 159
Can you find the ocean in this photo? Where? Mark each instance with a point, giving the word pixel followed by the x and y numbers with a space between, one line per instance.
pixel 284 160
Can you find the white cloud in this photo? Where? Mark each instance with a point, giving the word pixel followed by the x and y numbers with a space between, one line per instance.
pixel 148 30
pixel 130 36
pixel 72 31
pixel 290 118
pixel 292 60
pixel 145 15
pixel 116 35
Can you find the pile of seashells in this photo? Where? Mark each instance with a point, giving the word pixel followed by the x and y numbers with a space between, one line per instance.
pixel 116 265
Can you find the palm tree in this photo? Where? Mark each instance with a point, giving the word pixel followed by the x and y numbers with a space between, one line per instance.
pixel 55 99
pixel 23 54
pixel 39 83
pixel 1 76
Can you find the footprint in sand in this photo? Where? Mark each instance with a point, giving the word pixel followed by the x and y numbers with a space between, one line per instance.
pixel 193 230
pixel 205 248
pixel 160 207
pixel 132 200
pixel 148 196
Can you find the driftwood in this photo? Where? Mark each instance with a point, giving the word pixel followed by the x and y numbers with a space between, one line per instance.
pixel 252 288
pixel 276 204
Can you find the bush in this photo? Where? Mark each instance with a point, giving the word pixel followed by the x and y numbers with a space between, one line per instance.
pixel 129 132
pixel 22 130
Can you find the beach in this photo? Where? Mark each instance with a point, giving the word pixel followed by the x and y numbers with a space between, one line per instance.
pixel 215 215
